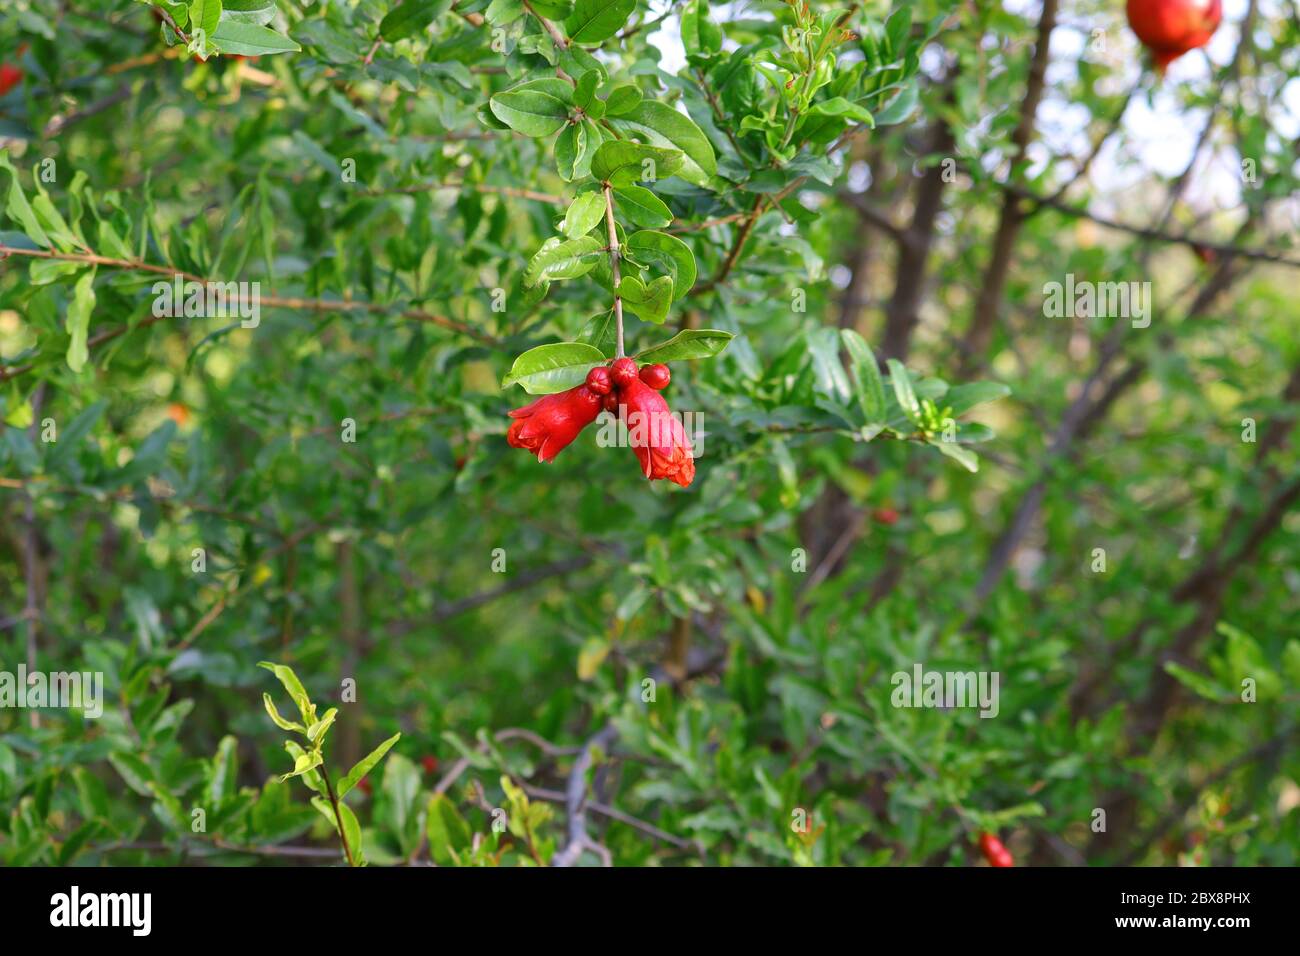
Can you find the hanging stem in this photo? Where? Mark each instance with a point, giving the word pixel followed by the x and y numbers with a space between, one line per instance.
pixel 613 267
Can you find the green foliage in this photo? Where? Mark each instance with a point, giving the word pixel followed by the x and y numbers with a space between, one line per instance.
pixel 401 210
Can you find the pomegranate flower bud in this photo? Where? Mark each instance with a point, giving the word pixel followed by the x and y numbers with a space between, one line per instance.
pixel 656 376
pixel 993 850
pixel 599 380
pixel 551 423
pixel 657 437
pixel 624 371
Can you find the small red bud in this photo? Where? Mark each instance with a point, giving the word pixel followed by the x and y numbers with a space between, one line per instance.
pixel 993 850
pixel 599 380
pixel 656 376
pixel 364 785
pixel 885 516
pixel 610 403
pixel 624 372
pixel 430 764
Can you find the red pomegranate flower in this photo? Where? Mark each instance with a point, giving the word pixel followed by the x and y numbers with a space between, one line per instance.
pixel 657 437
pixel 1171 28
pixel 10 76
pixel 551 423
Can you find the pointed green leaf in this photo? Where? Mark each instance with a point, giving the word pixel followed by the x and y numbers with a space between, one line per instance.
pixel 530 112
pixel 584 213
pixel 867 382
pixel 548 369
pixel 666 254
pixel 623 163
pixel 248 39
pixel 563 259
pixel 594 20
pixel 365 765
pixel 687 344
pixel 642 207
pixel 664 126
pixel 83 303
pixel 902 383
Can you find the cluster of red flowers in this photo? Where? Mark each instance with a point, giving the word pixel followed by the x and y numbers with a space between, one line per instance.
pixel 657 437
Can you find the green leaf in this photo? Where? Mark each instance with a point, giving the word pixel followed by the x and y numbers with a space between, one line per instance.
pixel 280 722
pixel 83 303
pixel 960 398
pixel 501 13
pixel 365 765
pixel 867 382
pixel 553 9
pixel 530 112
pixel 699 33
pixel 642 207
pixel 74 431
pixel 447 830
pixel 584 213
pixel 623 99
pixel 687 344
pixel 839 106
pixel 1198 684
pixel 17 207
pixel 900 107
pixel 249 39
pixel 902 383
pixel 548 369
pixel 351 828
pixel 623 163
pixel 574 149
pixel 664 126
pixel 257 12
pixel 411 18
pixel 316 732
pixel 137 774
pixel 596 20
pixel 223 772
pixel 958 453
pixel 649 301
pixel 668 253
pixel 285 675
pixel 601 331
pixel 303 763
pixel 205 15
pixel 563 259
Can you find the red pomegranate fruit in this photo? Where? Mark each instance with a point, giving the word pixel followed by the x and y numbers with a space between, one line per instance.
pixel 1170 28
